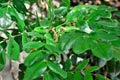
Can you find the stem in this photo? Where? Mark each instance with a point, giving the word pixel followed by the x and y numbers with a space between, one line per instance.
pixel 13 37
pixel 3 41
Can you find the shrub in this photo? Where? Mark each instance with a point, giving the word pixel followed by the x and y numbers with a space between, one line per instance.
pixel 70 43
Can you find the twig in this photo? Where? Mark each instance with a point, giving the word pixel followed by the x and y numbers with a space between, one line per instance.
pixel 13 37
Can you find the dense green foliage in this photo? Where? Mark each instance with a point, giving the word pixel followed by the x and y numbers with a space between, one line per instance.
pixel 56 43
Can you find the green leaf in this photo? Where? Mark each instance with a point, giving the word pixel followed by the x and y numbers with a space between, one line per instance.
pixel 50 12
pixel 81 45
pixel 48 76
pixel 94 7
pixel 88 76
pixel 51 45
pixel 49 39
pixel 96 14
pixel 114 31
pixel 82 13
pixel 19 18
pixel 60 12
pixel 40 30
pixel 117 14
pixel 106 36
pixel 72 15
pixel 70 28
pixel 35 34
pixel 116 51
pixel 81 23
pixel 5 18
pixel 77 14
pixel 67 40
pixel 86 28
pixel 101 77
pixel 55 76
pixel 116 43
pixel 64 42
pixel 35 70
pixel 106 14
pixel 44 21
pixel 2 58
pixel 17 5
pixel 57 69
pixel 70 75
pixel 82 65
pixel 91 69
pixel 24 38
pixel 67 65
pixel 34 57
pixel 3 1
pixel 31 45
pixel 102 50
pixel 108 23
pixel 13 49
pixel 77 76
pixel 37 20
pixel 53 49
pixel 65 3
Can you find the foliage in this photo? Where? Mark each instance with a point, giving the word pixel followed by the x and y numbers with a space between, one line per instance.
pixel 70 43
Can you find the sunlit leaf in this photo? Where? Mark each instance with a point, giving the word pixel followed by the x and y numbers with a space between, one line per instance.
pixel 55 68
pixel 96 14
pixel 13 49
pixel 19 18
pixel 35 70
pixel 34 57
pixel 35 34
pixel 116 52
pixel 102 50
pixel 108 24
pixel 81 45
pixel 5 18
pixel 101 77
pixel 91 69
pixel 30 45
pixel 48 76
pixel 24 38
pixel 61 12
pixel 82 65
